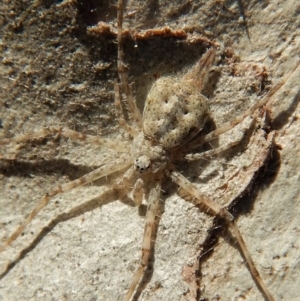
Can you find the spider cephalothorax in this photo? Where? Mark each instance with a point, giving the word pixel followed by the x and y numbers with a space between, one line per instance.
pixel 146 156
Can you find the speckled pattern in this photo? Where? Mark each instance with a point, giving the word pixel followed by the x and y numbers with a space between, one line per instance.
pixel 54 73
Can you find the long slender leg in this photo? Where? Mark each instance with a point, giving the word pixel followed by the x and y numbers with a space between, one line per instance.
pixel 206 154
pixel 100 172
pixel 108 196
pixel 211 152
pixel 254 272
pixel 129 129
pixel 65 132
pixel 134 111
pixel 197 76
pixel 229 125
pixel 151 220
pixel 119 191
pixel 185 184
pixel 199 198
pixel 138 192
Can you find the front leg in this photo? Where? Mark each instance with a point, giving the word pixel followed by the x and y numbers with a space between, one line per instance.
pixel 105 170
pixel 118 146
pixel 152 219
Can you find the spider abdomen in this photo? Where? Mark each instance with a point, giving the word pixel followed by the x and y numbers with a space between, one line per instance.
pixel 174 112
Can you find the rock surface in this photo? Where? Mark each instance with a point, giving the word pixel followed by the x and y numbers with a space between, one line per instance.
pixel 54 72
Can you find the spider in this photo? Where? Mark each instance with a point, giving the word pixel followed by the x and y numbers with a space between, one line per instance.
pixel 167 133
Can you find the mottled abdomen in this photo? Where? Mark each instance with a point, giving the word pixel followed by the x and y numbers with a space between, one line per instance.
pixel 174 112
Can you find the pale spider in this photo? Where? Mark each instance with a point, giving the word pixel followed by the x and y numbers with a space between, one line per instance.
pixel 174 114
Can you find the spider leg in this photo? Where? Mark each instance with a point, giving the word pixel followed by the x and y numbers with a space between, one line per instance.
pixel 211 152
pixel 98 173
pixel 118 191
pixel 250 112
pixel 197 76
pixel 152 218
pixel 129 182
pixel 106 197
pixel 244 132
pixel 254 272
pixel 138 192
pixel 199 199
pixel 65 132
pixel 129 129
pixel 185 184
pixel 134 111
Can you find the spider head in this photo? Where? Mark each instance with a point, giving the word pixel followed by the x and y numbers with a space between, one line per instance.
pixel 147 157
pixel 145 164
pixel 142 164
